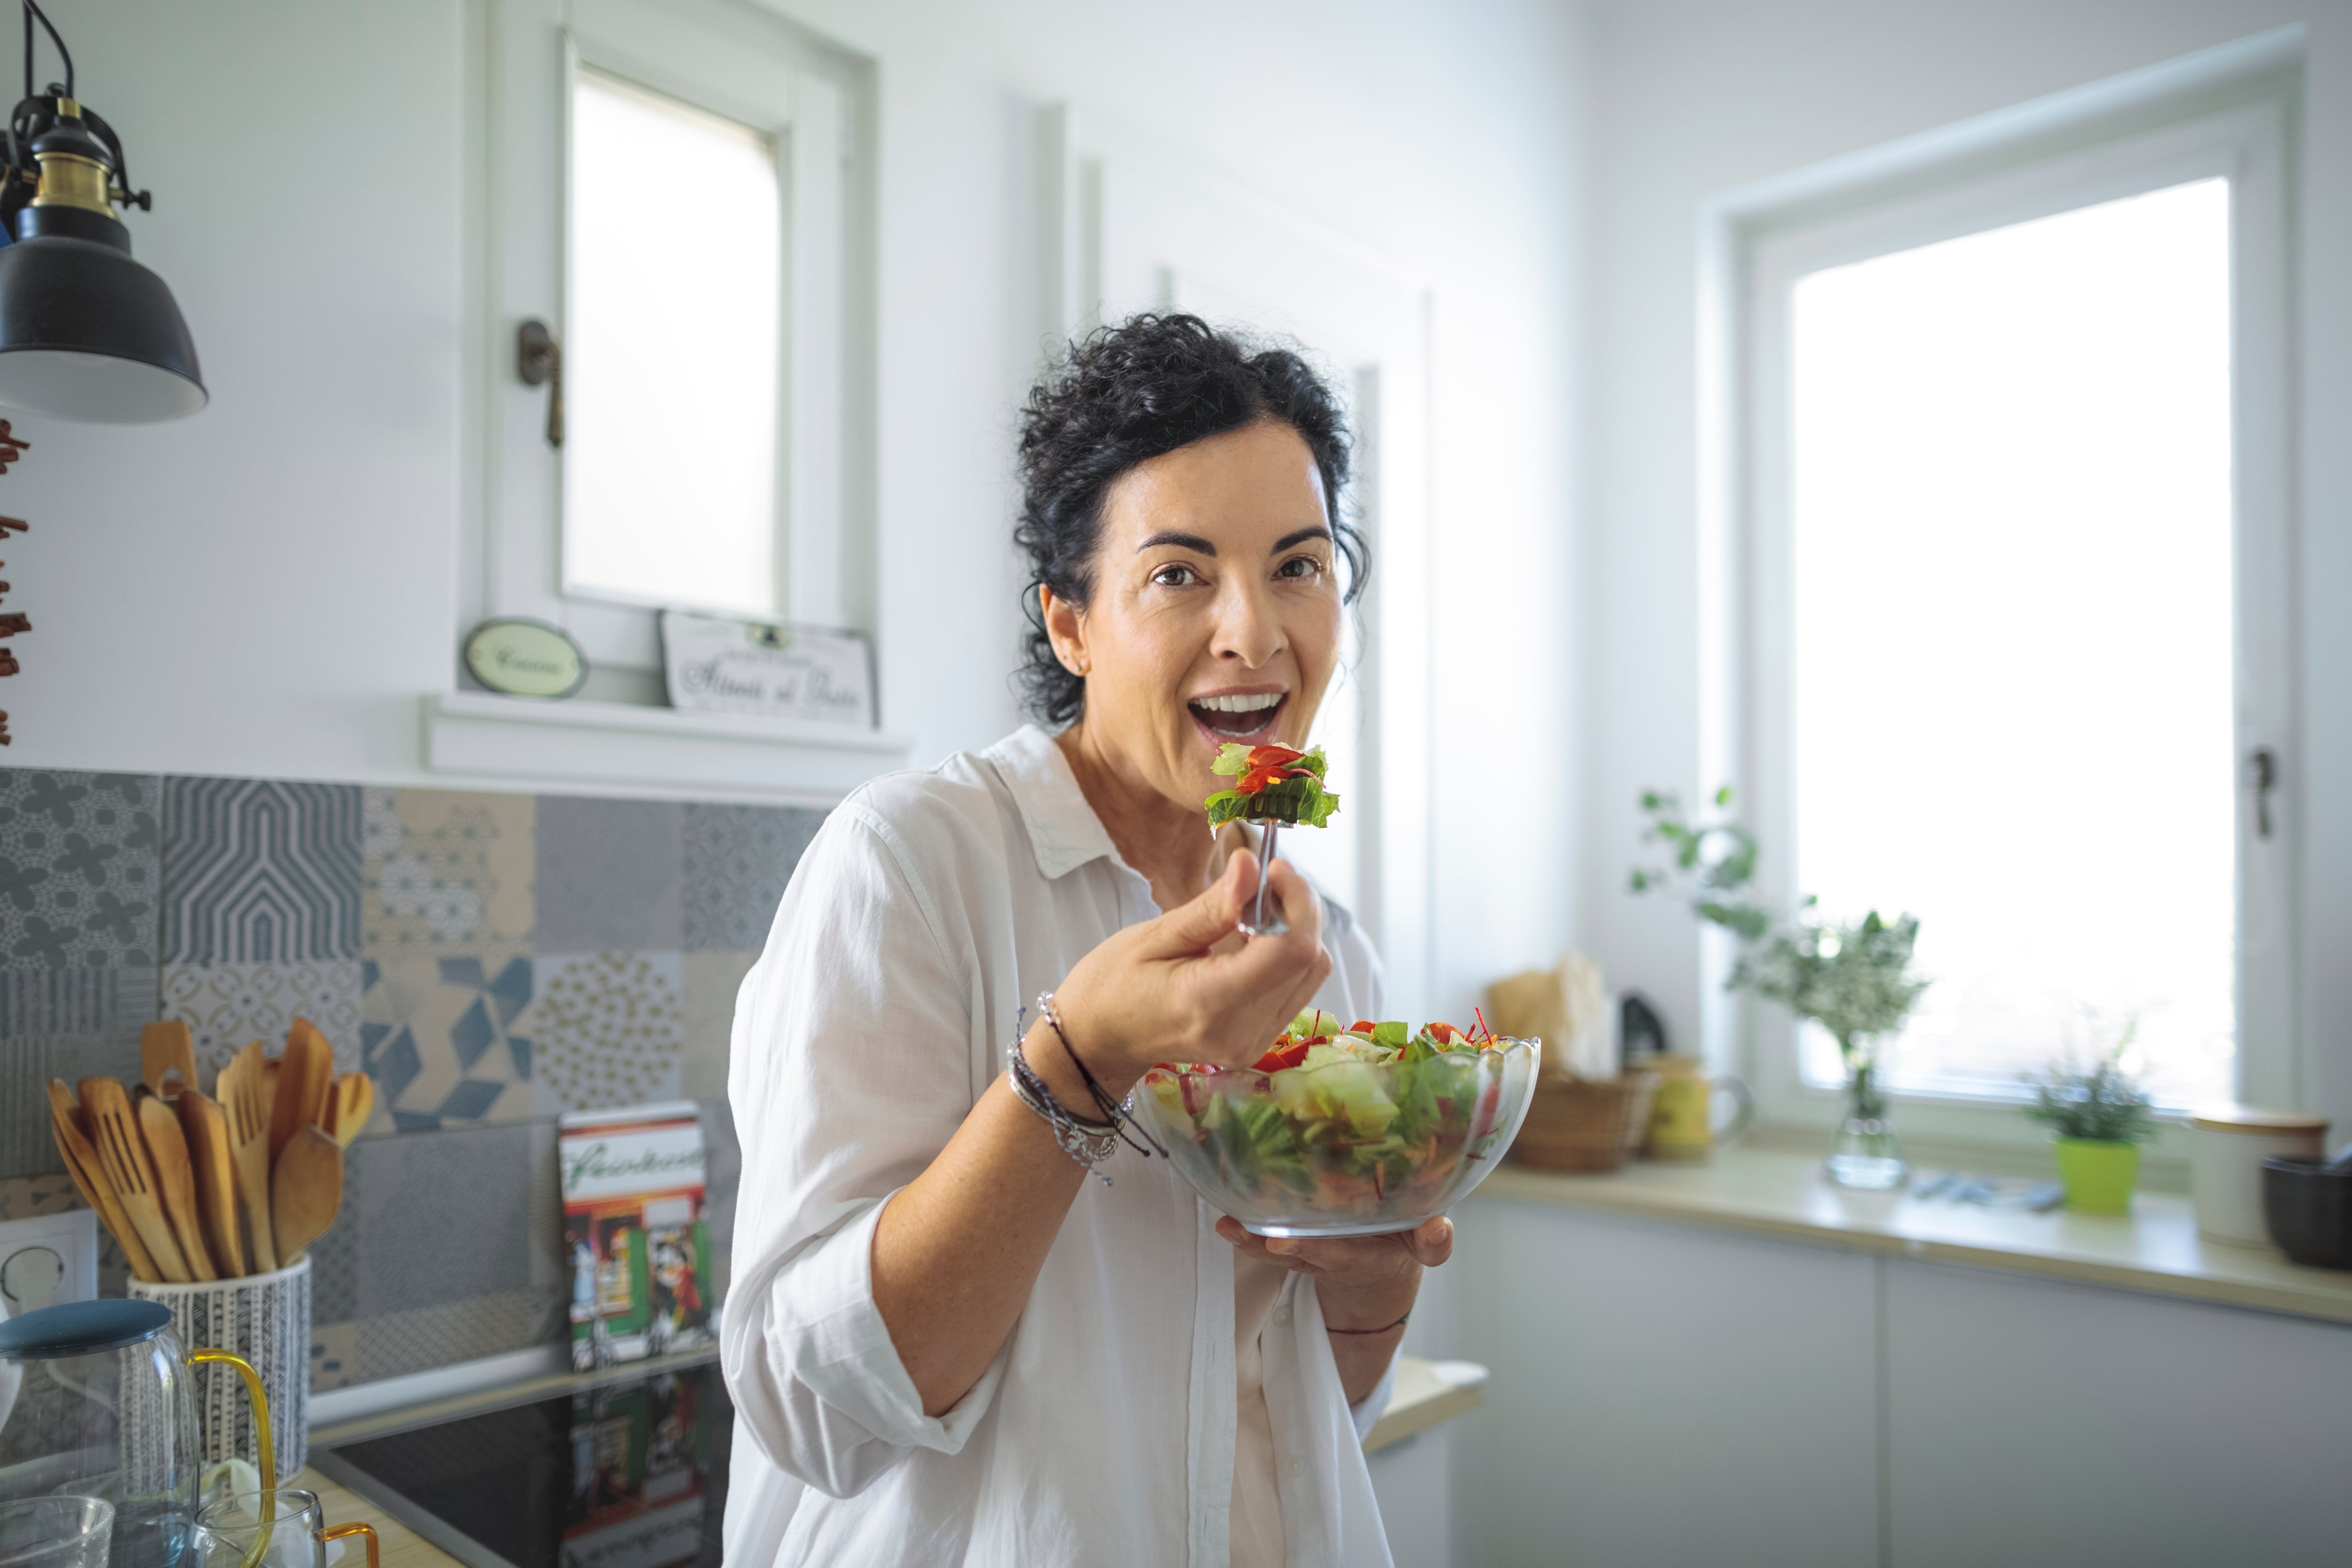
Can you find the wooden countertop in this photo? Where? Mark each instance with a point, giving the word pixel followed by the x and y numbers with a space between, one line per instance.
pixel 1421 1400
pixel 1781 1192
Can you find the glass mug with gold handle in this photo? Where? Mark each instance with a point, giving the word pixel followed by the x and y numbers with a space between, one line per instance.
pixel 281 1528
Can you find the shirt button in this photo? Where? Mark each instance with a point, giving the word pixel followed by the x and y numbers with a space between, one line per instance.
pixel 1282 1316
pixel 1296 1466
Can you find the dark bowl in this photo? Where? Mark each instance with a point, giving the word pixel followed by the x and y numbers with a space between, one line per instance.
pixel 2309 1211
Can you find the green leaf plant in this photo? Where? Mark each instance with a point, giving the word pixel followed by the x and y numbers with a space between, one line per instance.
pixel 2104 1103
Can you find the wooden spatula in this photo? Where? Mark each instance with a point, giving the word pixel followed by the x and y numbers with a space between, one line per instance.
pixel 163 1047
pixel 354 1102
pixel 306 1189
pixel 305 1079
pixel 122 1154
pixel 245 1099
pixel 83 1164
pixel 207 1131
pixel 175 1183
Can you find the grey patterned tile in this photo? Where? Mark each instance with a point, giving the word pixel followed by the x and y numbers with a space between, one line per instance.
pixel 608 1029
pixel 445 870
pixel 27 1146
pixel 606 875
pixel 738 860
pixel 78 869
pixel 419 1339
pixel 438 1217
pixel 261 872
pixel 76 1001
pixel 447 1037
pixel 711 981
pixel 227 1005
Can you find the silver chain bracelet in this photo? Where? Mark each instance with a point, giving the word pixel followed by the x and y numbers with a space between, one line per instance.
pixel 1088 1142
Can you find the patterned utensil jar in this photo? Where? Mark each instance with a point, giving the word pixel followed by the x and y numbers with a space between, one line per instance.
pixel 265 1318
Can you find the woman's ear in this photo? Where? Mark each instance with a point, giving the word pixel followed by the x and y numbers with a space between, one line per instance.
pixel 1066 628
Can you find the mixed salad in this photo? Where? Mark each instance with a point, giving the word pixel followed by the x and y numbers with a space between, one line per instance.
pixel 1370 1119
pixel 1273 783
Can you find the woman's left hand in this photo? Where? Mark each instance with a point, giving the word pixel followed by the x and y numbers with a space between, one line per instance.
pixel 1365 1284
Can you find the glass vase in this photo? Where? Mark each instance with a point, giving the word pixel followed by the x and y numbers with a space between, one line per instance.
pixel 1864 1151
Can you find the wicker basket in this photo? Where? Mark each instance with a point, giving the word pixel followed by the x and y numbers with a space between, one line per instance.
pixel 1583 1123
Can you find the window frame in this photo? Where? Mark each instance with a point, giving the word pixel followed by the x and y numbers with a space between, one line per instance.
pixel 2231 113
pixel 816 104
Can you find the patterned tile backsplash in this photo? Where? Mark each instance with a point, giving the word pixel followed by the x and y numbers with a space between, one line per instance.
pixel 491 959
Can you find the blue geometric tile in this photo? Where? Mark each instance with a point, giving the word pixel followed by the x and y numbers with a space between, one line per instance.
pixel 607 875
pixel 738 860
pixel 450 1042
pixel 261 872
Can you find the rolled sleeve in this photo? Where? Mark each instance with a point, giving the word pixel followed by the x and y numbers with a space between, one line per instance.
pixel 850 1071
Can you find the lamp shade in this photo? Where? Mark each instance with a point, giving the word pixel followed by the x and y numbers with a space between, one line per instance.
pixel 88 334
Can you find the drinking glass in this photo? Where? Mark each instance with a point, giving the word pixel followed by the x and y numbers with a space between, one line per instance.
pixel 55 1532
pixel 281 1529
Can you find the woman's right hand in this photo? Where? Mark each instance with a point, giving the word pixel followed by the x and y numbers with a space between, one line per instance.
pixel 1185 988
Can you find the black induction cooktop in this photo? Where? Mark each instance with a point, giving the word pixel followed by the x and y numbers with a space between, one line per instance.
pixel 630 1473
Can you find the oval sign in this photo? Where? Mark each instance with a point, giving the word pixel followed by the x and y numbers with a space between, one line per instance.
pixel 526 658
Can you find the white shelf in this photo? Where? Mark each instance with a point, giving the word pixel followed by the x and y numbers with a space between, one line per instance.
pixel 621 744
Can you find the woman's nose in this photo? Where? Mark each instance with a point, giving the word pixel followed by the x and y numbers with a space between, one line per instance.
pixel 1248 628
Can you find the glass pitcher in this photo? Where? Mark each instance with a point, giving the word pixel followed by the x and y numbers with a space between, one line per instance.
pixel 105 1408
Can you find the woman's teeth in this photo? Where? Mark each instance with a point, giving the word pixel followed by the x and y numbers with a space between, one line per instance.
pixel 1237 715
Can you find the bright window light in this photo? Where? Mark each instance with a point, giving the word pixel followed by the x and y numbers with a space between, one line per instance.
pixel 2012 629
pixel 672 361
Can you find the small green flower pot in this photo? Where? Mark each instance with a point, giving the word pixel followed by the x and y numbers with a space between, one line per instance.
pixel 2098 1173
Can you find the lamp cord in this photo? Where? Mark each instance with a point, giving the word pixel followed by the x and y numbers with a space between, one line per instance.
pixel 32 10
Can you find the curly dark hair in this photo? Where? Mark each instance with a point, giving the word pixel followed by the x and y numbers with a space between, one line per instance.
pixel 1129 394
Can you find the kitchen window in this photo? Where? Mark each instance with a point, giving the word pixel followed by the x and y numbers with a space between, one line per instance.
pixel 680 192
pixel 2007 563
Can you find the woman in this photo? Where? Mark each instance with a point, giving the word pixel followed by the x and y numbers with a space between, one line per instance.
pixel 946 1343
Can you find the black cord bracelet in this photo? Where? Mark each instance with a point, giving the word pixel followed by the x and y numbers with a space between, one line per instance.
pixel 1113 1111
pixel 1398 1324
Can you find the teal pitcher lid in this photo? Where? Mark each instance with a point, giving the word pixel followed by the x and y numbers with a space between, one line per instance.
pixel 82 1327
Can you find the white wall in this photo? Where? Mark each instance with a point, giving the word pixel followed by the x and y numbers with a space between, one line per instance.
pixel 267 587
pixel 1693 97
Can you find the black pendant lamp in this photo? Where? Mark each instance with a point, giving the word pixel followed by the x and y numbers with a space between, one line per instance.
pixel 86 333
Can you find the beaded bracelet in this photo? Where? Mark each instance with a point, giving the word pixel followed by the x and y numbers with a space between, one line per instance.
pixel 1114 1110
pixel 1088 1142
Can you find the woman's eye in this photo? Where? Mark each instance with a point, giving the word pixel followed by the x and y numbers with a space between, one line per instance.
pixel 1175 576
pixel 1299 568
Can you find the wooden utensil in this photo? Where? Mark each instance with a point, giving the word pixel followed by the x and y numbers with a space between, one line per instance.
pixel 244 1091
pixel 306 1189
pixel 207 1129
pixel 354 1103
pixel 163 1047
pixel 83 1164
pixel 175 1183
pixel 305 1078
pixel 122 1154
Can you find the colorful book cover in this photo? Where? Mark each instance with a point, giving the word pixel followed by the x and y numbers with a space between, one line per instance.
pixel 634 1233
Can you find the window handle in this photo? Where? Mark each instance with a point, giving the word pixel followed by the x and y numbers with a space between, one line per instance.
pixel 539 360
pixel 2262 777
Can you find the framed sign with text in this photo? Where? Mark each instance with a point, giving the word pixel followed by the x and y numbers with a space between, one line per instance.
pixel 717 665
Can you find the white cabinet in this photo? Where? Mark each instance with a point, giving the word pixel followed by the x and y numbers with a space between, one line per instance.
pixel 1662 1395
pixel 1674 1396
pixel 2032 1423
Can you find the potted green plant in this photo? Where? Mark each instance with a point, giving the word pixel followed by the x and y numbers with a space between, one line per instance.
pixel 2099 1118
pixel 1853 978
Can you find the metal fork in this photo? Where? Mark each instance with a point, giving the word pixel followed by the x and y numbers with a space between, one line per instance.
pixel 1256 924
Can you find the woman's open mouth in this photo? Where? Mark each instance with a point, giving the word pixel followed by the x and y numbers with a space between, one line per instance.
pixel 1249 716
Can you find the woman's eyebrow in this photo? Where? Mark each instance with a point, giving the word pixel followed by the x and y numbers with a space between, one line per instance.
pixel 1300 537
pixel 1181 541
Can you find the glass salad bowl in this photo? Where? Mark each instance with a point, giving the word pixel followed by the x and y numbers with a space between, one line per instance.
pixel 1342 1144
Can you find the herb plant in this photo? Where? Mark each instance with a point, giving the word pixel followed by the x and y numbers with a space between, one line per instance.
pixel 2106 1103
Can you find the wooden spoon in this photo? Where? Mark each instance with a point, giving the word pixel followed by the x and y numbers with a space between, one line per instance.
pixel 244 1093
pixel 122 1155
pixel 165 1047
pixel 207 1129
pixel 305 1080
pixel 175 1183
pixel 306 1190
pixel 83 1164
pixel 354 1102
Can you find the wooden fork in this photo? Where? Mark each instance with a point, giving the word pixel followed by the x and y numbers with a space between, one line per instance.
pixel 82 1163
pixel 122 1154
pixel 244 1098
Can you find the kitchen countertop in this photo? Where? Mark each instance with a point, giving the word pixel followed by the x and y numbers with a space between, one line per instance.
pixel 1421 1400
pixel 1781 1192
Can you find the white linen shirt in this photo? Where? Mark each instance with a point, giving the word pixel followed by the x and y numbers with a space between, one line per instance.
pixel 927 910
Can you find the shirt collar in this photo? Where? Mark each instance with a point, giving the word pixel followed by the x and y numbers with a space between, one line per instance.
pixel 1064 831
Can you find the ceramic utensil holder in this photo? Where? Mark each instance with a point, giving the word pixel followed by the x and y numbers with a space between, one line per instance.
pixel 265 1318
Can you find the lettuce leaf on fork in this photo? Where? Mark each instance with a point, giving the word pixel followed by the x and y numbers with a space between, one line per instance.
pixel 1289 787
